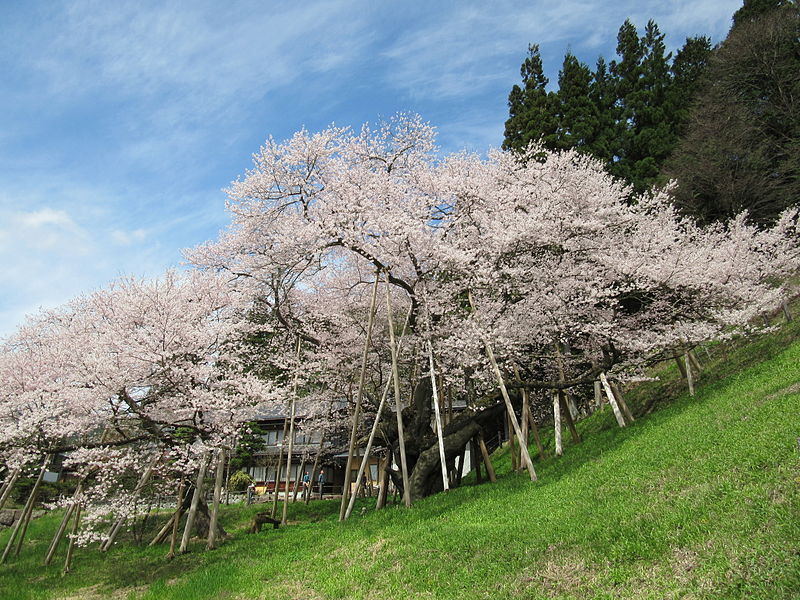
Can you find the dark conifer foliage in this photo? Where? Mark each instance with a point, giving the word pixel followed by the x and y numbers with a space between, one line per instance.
pixel 628 113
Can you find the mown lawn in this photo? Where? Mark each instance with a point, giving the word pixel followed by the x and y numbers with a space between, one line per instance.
pixel 700 498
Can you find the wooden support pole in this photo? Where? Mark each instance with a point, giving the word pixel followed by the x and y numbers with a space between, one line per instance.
pixel 487 461
pixel 357 409
pixel 115 529
pixel 526 458
pixel 695 363
pixel 621 400
pixel 289 456
pixel 278 470
pixel 512 447
pixel 314 468
pixel 576 439
pixel 8 485
pixel 612 400
pixel 383 482
pixel 557 422
pixel 220 474
pixel 176 520
pixel 474 452
pixel 535 430
pixel 681 366
pixel 689 375
pixel 787 315
pixel 51 551
pixel 397 402
pixel 198 493
pixel 598 394
pixel 72 537
pixel 439 432
pixel 22 522
pixel 300 476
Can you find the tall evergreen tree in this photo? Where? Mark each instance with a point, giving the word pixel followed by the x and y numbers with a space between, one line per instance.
pixel 532 109
pixel 577 113
pixel 687 69
pixel 602 93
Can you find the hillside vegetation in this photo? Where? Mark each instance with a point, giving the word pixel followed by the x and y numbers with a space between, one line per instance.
pixel 699 498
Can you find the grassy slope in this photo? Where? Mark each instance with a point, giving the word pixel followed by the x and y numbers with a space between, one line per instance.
pixel 701 498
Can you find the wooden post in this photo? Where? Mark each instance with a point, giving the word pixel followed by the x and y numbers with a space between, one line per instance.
pixel 278 470
pixel 689 375
pixel 487 461
pixel 115 529
pixel 695 363
pixel 535 430
pixel 681 368
pixel 71 546
pixel 379 412
pixel 383 482
pixel 512 447
pixel 22 522
pixel 212 527
pixel 51 551
pixel 570 411
pixel 439 433
pixel 398 405
pixel 198 493
pixel 176 520
pixel 291 436
pixel 598 394
pixel 612 400
pixel 621 400
pixel 314 468
pixel 509 408
pixel 477 461
pixel 557 422
pixel 357 410
pixel 300 476
pixel 576 439
pixel 787 315
pixel 8 485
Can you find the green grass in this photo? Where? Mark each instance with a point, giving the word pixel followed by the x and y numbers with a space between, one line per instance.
pixel 700 498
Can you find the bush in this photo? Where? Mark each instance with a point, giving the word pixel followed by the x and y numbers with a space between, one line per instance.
pixel 239 481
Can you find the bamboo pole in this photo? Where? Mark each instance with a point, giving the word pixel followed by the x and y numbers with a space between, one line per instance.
pixel 22 522
pixel 357 409
pixel 439 432
pixel 291 435
pixel 612 400
pixel 398 406
pixel 557 422
pixel 212 528
pixel 198 493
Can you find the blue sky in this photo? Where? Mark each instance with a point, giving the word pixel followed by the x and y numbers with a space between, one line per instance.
pixel 121 122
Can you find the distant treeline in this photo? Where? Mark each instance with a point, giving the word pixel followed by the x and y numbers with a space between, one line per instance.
pixel 723 121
